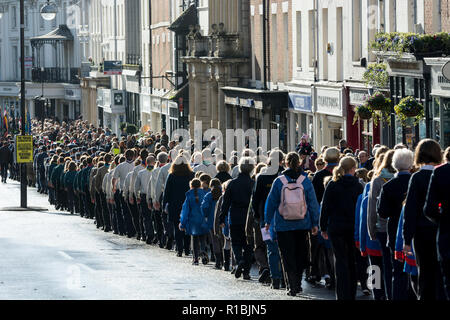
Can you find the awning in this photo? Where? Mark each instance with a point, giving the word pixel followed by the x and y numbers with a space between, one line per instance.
pixel 62 33
pixel 186 19
pixel 175 94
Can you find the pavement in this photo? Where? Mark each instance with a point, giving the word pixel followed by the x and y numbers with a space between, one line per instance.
pixel 54 255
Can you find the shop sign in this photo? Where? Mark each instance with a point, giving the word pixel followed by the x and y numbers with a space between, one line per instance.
pixel 118 98
pixel 300 102
pixel 329 102
pixel 112 68
pixel 358 97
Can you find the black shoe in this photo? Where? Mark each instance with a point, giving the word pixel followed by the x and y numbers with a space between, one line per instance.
pixel 195 263
pixel 187 253
pixel 161 245
pixel 155 241
pixel 180 254
pixel 218 265
pixel 265 276
pixel 205 259
pixel 149 241
pixel 275 284
pixel 246 276
pixel 292 293
pixel 238 272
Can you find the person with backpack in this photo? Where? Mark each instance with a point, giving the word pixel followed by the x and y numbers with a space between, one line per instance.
pixel 337 221
pixel 292 211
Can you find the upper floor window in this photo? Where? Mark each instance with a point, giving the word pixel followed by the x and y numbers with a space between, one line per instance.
pixel 13 17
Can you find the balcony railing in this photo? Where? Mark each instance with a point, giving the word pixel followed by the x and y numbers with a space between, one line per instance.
pixel 55 75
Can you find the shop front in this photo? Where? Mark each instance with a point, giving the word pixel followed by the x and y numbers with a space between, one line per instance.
pixel 258 109
pixel 408 77
pixel 362 134
pixel 440 101
pixel 301 118
pixel 331 125
pixel 111 109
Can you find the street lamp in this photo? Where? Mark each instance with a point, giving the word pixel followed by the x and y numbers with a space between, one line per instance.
pixel 49 11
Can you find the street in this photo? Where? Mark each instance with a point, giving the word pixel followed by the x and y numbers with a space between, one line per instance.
pixel 53 255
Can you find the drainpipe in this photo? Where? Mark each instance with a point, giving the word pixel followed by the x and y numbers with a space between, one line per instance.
pixel 265 40
pixel 150 45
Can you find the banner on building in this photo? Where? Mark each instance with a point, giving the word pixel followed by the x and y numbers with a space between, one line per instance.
pixel 24 149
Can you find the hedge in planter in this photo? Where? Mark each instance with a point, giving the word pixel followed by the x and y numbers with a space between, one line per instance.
pixel 408 108
pixel 414 43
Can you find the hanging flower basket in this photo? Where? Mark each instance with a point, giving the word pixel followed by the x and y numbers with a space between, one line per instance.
pixel 363 112
pixel 379 102
pixel 408 108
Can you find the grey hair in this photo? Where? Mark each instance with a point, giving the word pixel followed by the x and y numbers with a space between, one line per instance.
pixel 403 159
pixel 246 165
pixel 163 157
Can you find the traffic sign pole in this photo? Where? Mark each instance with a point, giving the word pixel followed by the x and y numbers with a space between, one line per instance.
pixel 23 178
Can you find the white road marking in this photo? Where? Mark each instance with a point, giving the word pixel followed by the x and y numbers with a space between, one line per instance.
pixel 65 255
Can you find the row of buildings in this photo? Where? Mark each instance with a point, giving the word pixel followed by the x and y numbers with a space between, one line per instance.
pixel 292 65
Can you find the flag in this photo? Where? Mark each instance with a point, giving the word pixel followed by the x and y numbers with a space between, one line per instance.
pixel 5 122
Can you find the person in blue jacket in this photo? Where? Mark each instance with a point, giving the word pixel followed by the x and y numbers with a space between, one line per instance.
pixel 208 210
pixel 409 261
pixel 368 247
pixel 292 235
pixel 192 220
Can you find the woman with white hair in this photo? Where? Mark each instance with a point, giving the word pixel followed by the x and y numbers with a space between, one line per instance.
pixel 389 206
pixel 245 153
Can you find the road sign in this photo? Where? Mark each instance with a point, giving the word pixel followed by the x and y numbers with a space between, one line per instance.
pixel 112 68
pixel 24 149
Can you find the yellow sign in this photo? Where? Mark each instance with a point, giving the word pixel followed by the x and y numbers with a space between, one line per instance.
pixel 24 149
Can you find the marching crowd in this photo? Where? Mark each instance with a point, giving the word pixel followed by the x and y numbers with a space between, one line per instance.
pixel 341 217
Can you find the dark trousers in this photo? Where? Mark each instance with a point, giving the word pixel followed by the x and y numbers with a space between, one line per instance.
pixel 128 221
pixel 343 245
pixel 76 202
pixel 42 182
pixel 70 199
pixel 445 266
pixel 387 265
pixel 362 263
pixel 293 246
pixel 134 214
pixel 198 245
pixel 183 241
pixel 4 169
pixel 241 249
pixel 105 212
pixel 98 211
pixel 146 214
pixel 118 213
pixel 400 279
pixel 159 227
pixel 431 286
pixel 314 260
